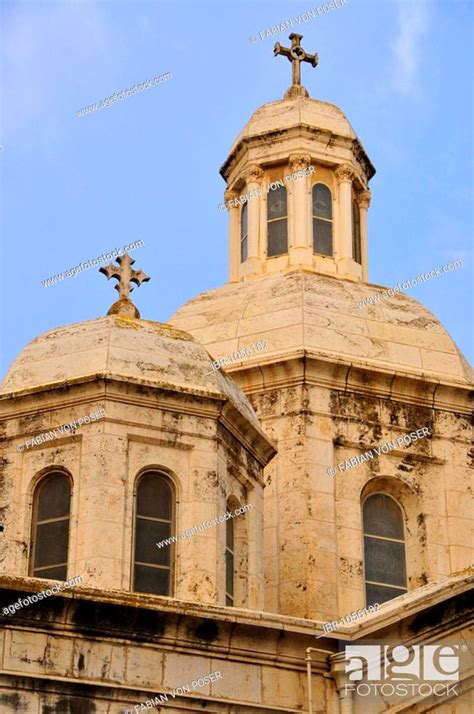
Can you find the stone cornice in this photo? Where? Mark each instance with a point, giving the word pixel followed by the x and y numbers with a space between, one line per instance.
pixel 305 132
pixel 208 404
pixel 402 608
pixel 298 365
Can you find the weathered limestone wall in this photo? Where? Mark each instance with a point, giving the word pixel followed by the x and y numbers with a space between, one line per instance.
pixel 96 652
pixel 144 428
pixel 313 525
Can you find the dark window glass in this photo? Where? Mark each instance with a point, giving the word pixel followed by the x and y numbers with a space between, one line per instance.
pixel 57 573
pixel 276 203
pixel 356 246
pixel 51 543
pixel 380 594
pixel 322 236
pixel 384 549
pixel 229 563
pixel 53 501
pixel 384 561
pixel 50 531
pixel 322 201
pixel 244 233
pixel 322 220
pixel 153 523
pixel 154 497
pixel 277 237
pixel 152 580
pixel 244 250
pixel 148 534
pixel 382 517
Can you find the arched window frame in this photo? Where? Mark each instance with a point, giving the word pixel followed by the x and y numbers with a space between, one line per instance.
pixel 158 471
pixel 244 232
pixel 283 219
pixel 356 237
pixel 322 218
pixel 33 569
pixel 403 590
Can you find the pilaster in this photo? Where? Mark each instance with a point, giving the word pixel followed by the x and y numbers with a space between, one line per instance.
pixel 299 206
pixel 234 235
pixel 345 176
pixel 363 199
pixel 253 177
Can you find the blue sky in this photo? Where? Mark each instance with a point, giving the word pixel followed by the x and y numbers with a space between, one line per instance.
pixel 146 168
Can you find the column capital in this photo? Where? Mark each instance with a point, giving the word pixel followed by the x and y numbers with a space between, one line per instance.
pixel 344 172
pixel 253 174
pixel 229 195
pixel 363 199
pixel 297 162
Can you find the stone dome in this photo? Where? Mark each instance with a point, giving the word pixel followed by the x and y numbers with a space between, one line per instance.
pixel 285 116
pixel 304 312
pixel 128 349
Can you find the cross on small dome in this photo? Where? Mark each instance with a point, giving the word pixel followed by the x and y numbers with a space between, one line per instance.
pixel 296 54
pixel 125 275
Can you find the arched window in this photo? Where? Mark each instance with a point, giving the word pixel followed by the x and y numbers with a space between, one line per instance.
pixel 277 241
pixel 322 219
pixel 384 549
pixel 244 233
pixel 153 523
pixel 229 563
pixel 356 247
pixel 50 528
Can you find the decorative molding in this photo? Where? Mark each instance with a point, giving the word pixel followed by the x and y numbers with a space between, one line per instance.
pixel 297 162
pixel 229 195
pixel 253 174
pixel 363 199
pixel 345 173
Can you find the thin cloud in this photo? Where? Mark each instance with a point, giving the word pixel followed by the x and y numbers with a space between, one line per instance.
pixel 413 23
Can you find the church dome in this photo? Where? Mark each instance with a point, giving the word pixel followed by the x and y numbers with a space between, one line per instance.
pixel 292 117
pixel 289 113
pixel 302 312
pixel 128 349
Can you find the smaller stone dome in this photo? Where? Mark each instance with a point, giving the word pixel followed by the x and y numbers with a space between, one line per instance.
pixel 126 348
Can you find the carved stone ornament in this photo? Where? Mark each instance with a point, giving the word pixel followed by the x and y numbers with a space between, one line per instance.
pixel 345 173
pixel 297 162
pixel 230 194
pixel 363 199
pixel 253 174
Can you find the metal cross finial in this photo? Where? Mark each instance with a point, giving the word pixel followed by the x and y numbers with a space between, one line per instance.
pixel 296 55
pixel 125 275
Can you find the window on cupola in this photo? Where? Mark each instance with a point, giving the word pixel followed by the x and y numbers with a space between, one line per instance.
pixel 277 222
pixel 322 219
pixel 384 549
pixel 50 531
pixel 153 523
pixel 244 233
pixel 356 247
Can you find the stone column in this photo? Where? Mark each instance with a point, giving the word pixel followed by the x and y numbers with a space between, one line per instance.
pixel 234 235
pixel 345 175
pixel 299 212
pixel 253 177
pixel 363 200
